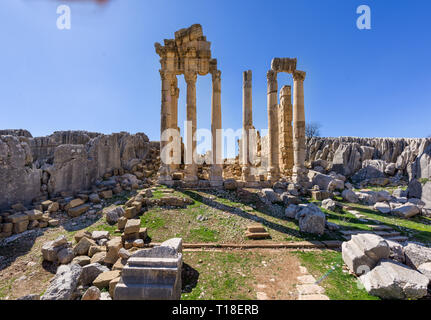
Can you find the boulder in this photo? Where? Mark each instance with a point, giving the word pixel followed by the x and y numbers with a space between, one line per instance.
pixel 230 184
pixel 367 197
pixel 91 272
pixel 113 214
pixel 97 235
pixel 406 211
pixel 270 195
pixel 371 169
pixel 92 293
pixel 383 195
pixel 132 226
pixel 382 207
pixel 393 280
pixel 349 196
pixel 329 204
pixel 426 197
pixel 390 169
pixel 364 251
pixel 64 284
pixel 425 269
pixel 397 251
pixel 51 249
pixel 414 189
pixel 291 211
pixel 65 255
pixel 311 219
pixel 103 279
pixel 83 245
pixel 399 193
pixel 416 254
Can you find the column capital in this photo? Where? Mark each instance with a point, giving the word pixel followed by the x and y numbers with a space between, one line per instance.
pixel 190 77
pixel 286 91
pixel 271 76
pixel 247 78
pixel 299 75
pixel 216 75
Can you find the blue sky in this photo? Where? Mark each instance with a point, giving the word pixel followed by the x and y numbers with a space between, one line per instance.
pixel 102 75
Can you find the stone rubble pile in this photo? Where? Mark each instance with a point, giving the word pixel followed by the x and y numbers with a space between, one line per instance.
pixel 98 262
pixel 388 269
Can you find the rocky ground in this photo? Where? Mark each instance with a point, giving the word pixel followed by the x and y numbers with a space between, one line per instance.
pixel 219 217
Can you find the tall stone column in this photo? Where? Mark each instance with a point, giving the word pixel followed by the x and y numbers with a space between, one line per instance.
pixel 164 171
pixel 286 130
pixel 247 124
pixel 299 148
pixel 191 166
pixel 173 116
pixel 272 103
pixel 216 173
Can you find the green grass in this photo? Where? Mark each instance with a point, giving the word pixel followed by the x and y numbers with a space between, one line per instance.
pixel 204 234
pixel 152 219
pixel 338 285
pixel 218 276
pixel 424 180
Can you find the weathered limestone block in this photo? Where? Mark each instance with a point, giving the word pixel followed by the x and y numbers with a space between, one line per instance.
pixel 51 249
pixel 90 272
pixel 152 274
pixel 92 293
pixel 406 211
pixel 350 196
pixel 114 245
pixel 64 285
pixel 83 246
pixel 393 280
pixel 103 279
pixel 416 254
pixel 113 214
pixel 311 219
pixel 364 251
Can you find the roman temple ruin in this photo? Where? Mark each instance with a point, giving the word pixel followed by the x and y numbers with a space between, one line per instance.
pixel 189 54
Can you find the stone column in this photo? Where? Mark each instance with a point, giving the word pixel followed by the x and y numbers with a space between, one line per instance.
pixel 299 148
pixel 247 124
pixel 216 173
pixel 286 130
pixel 273 136
pixel 191 166
pixel 173 115
pixel 164 171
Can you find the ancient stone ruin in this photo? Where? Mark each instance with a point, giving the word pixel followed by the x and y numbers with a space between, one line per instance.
pixel 189 54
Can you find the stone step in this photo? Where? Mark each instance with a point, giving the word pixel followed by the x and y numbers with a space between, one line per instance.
pixel 144 262
pixel 256 229
pixel 150 275
pixel 386 234
pixel 380 228
pixel 127 291
pixel 257 235
pixel 398 239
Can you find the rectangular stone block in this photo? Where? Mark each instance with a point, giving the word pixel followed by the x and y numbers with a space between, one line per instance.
pixel 20 226
pixel 77 211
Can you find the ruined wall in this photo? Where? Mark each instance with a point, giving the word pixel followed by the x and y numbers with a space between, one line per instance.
pixel 347 155
pixel 65 161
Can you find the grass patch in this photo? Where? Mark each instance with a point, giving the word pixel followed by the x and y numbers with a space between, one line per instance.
pixel 220 275
pixel 338 285
pixel 204 234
